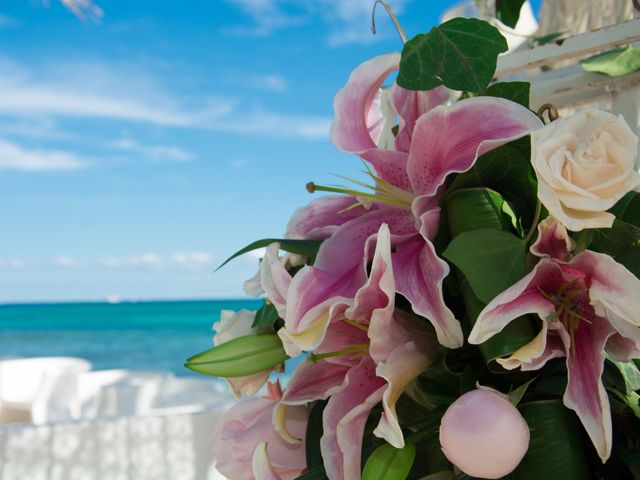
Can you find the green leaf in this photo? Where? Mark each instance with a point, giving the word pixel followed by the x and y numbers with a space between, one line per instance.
pixel 506 170
pixel 631 375
pixel 628 209
pixel 266 316
pixel 389 463
pixel 313 435
pixel 622 242
pixel 615 63
pixel 516 394
pixel 240 357
pixel 461 54
pixel 556 451
pixel 491 260
pixel 508 11
pixel 518 92
pixel 474 208
pixel 307 248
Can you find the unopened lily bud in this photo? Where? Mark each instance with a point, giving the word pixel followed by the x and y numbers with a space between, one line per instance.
pixel 483 434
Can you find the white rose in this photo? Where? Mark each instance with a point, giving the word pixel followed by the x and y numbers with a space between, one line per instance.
pixel 584 163
pixel 234 325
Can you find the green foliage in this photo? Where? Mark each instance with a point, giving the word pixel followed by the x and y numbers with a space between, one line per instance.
pixel 389 463
pixel 265 317
pixel 491 260
pixel 622 242
pixel 506 170
pixel 307 248
pixel 473 208
pixel 628 209
pixel 519 92
pixel 315 473
pixel 615 63
pixel 460 54
pixel 240 357
pixel 556 451
pixel 544 39
pixel 508 11
pixel 515 395
pixel 313 435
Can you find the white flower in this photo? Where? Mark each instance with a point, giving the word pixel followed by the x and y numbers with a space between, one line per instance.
pixel 584 163
pixel 233 325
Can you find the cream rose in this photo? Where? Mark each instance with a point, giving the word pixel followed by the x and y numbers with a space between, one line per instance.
pixel 584 163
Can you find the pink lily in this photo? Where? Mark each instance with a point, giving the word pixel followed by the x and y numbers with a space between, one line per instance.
pixel 589 306
pixel 433 141
pixel 370 353
pixel 248 425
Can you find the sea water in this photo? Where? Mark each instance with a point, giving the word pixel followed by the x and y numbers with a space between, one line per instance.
pixel 131 335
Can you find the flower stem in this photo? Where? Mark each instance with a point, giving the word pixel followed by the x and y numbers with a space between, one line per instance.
pixel 534 223
pixel 583 239
pixel 394 19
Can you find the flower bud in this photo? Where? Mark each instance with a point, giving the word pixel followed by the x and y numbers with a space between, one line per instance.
pixel 483 434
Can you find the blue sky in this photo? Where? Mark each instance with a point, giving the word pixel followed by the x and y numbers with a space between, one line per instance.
pixel 138 152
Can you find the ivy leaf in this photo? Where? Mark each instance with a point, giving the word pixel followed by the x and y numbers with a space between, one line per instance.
pixel 461 54
pixel 491 260
pixel 615 63
pixel 308 248
pixel 508 11
pixel 518 92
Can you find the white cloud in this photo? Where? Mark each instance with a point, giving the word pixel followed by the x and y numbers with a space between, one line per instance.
pixel 62 91
pixel 65 261
pixel 156 153
pixel 15 157
pixel 152 261
pixel 12 263
pixel 347 21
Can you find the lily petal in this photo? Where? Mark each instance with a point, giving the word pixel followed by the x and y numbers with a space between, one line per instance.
pixel 274 278
pixel 536 353
pixel 585 392
pixel 314 381
pixel 261 465
pixel 419 275
pixel 553 240
pixel 521 298
pixel 344 419
pixel 411 105
pixel 450 139
pixel 353 121
pixel 323 216
pixel 403 365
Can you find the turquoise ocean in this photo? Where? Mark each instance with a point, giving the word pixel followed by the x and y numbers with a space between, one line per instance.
pixel 133 335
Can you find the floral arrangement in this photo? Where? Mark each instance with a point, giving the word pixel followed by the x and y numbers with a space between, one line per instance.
pixel 472 309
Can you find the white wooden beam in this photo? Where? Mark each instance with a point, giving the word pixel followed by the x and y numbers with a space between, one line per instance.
pixel 573 47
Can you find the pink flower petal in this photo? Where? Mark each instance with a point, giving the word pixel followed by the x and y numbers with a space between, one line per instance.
pixel 419 275
pixel 322 217
pixel 314 381
pixel 261 465
pixel 274 278
pixel 390 166
pixel 520 299
pixel 410 106
pixel 535 354
pixel 344 419
pixel 450 139
pixel 553 240
pixel 585 392
pixel 622 349
pixel 353 123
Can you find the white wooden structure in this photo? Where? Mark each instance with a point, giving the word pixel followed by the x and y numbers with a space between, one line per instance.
pixel 570 86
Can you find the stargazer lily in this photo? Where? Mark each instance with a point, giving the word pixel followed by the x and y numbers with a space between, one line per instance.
pixel 589 306
pixel 432 142
pixel 370 353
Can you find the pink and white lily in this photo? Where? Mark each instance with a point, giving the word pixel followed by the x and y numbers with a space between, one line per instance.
pixel 589 307
pixel 369 353
pixel 261 438
pixel 433 141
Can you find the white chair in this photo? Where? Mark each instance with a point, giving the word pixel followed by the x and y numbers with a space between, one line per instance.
pixel 191 392
pixel 112 393
pixel 40 389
